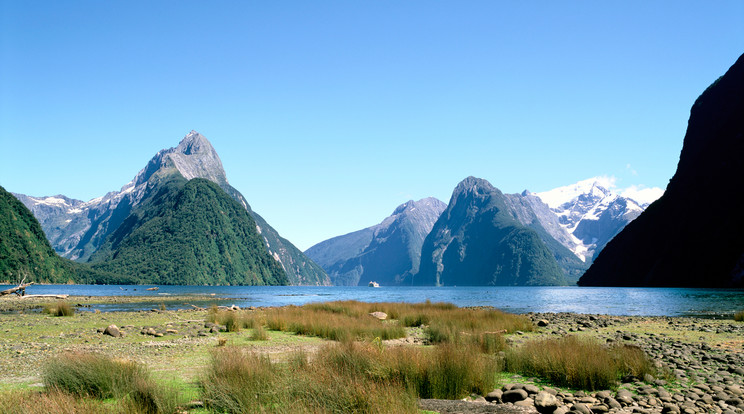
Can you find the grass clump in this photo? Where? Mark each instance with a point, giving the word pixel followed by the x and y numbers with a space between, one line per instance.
pixel 59 309
pixel 339 321
pixel 31 402
pixel 87 375
pixel 578 363
pixel 241 382
pixel 259 334
pixel 739 316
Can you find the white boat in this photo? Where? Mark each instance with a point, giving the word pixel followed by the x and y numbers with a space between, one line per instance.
pixel 374 284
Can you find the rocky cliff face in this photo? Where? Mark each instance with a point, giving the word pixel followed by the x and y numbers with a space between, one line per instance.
pixel 386 253
pixel 479 241
pixel 672 243
pixel 77 229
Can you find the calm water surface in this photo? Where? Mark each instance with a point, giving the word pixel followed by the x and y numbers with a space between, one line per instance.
pixel 612 301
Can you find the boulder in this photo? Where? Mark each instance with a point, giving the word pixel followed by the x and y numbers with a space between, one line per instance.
pixel 514 395
pixel 545 403
pixel 112 330
pixel 379 315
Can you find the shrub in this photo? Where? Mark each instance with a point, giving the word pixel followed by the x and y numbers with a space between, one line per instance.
pixel 59 309
pixel 578 363
pixel 739 316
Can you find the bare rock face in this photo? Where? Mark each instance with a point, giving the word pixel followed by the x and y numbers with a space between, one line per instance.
pixel 671 243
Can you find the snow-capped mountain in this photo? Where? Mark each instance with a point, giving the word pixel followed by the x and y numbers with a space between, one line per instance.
pixel 593 211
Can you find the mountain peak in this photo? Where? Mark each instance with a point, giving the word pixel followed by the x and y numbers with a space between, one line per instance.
pixel 194 143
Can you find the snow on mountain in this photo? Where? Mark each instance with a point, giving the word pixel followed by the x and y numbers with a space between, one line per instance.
pixel 594 210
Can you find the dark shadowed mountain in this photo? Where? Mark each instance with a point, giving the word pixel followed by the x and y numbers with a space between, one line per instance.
pixel 478 241
pixel 385 253
pixel 694 234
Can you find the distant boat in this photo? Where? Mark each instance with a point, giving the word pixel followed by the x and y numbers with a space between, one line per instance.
pixel 153 288
pixel 374 284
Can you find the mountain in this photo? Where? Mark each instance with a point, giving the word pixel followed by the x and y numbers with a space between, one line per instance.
pixel 188 232
pixel 25 252
pixel 478 241
pixel 386 253
pixel 693 236
pixel 591 214
pixel 77 229
pixel 530 211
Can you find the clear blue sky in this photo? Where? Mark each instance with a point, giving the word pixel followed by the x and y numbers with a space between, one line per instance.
pixel 327 115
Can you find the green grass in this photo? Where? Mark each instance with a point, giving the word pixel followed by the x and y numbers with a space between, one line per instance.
pixel 580 363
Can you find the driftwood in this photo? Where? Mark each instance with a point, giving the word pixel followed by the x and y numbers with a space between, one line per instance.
pixel 153 288
pixel 19 290
pixel 45 296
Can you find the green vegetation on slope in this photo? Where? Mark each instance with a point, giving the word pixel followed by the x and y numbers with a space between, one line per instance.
pixel 189 233
pixel 24 249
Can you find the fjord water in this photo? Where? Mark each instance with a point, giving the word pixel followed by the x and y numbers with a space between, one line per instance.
pixel 713 303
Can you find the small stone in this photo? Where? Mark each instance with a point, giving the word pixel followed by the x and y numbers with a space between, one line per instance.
pixel 581 408
pixel 525 403
pixel 670 409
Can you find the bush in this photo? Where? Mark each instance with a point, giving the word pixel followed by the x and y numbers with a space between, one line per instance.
pixel 97 376
pixel 578 363
pixel 59 309
pixel 739 316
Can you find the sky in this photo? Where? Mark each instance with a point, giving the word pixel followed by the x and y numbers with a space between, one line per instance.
pixel 329 114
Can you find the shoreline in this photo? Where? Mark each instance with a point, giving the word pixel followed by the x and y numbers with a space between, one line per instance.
pixel 704 358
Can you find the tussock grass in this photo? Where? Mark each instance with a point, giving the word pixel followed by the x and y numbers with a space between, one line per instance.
pixel 87 375
pixel 349 376
pixel 59 309
pixel 241 382
pixel 28 402
pixel 339 321
pixel 578 363
pixel 259 334
pixel 739 316
pixel 233 320
pixel 350 320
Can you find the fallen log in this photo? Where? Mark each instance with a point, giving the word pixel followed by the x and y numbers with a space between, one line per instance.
pixel 18 290
pixel 45 296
